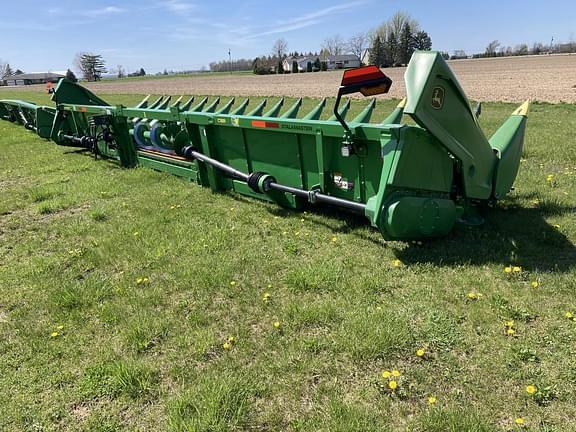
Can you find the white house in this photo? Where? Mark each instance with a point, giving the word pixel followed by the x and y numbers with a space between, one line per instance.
pixel 345 61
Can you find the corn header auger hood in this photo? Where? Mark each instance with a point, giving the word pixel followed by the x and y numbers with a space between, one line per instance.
pixel 411 182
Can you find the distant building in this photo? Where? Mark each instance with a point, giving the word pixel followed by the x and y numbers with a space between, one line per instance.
pixel 345 61
pixel 32 78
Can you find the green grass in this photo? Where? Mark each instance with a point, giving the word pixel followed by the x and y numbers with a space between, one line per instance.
pixel 78 239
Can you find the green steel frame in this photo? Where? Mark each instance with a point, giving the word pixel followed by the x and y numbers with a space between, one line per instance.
pixel 411 182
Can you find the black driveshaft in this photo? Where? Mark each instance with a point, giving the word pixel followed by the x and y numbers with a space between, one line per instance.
pixel 312 196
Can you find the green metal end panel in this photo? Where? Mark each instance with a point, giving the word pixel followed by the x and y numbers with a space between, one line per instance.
pixel 508 142
pixel 423 164
pixel 437 102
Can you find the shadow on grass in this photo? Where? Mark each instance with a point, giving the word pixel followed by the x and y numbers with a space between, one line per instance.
pixel 511 235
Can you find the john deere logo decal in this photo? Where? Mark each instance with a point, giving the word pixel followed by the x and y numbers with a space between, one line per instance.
pixel 438 98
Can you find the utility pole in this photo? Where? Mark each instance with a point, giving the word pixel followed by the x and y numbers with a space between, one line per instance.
pixel 551 46
pixel 229 60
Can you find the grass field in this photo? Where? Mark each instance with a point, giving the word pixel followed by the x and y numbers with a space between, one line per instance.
pixel 119 289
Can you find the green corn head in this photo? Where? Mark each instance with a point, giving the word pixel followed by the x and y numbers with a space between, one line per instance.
pixel 411 182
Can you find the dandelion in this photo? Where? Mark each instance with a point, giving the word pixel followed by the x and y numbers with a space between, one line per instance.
pixel 535 284
pixel 508 269
pixel 392 385
pixel 269 286
pixel 432 400
pixel 334 239
pixel 227 345
pixel 569 315
pixel 519 421
pixel 145 280
pixel 386 374
pixel 231 339
pixel 266 297
pixel 54 334
pixel 509 323
pixel 516 269
pixel 550 178
pixel 420 352
pixel 556 226
pixel 60 327
pixel 276 324
pixel 232 283
pixel 395 373
pixel 510 332
pixel 530 389
pixel 396 263
pixel 139 281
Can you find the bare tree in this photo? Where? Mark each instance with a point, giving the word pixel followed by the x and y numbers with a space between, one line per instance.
pixel 334 45
pixel 357 44
pixel 492 48
pixel 395 25
pixel 3 71
pixel 121 72
pixel 280 48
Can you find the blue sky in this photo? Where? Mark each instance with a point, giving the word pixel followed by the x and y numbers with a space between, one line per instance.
pixel 42 35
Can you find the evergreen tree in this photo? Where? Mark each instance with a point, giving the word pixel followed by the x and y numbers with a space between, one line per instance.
pixel 317 65
pixel 407 44
pixel 70 76
pixel 391 50
pixel 142 72
pixel 294 66
pixel 422 41
pixel 92 66
pixel 376 51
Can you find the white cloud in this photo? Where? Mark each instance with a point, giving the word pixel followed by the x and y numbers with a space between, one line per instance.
pixel 178 7
pixel 108 10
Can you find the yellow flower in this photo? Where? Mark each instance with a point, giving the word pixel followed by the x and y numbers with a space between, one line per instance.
pixel 386 374
pixel 509 323
pixel 432 400
pixel 510 332
pixel 54 334
pixel 393 385
pixel 139 281
pixel 569 315
pixel 227 346
pixel 269 286
pixel 266 297
pixel 395 373
pixel 60 327
pixel 301 220
pixel 530 389
pixel 472 296
pixel 420 352
pixel 135 233
pixel 517 269
pixel 231 339
pixel 535 284
pixel 508 269
pixel 276 324
pixel 145 280
pixel 556 226
pixel 396 263
pixel 334 238
pixel 550 177
pixel 232 283
pixel 519 421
